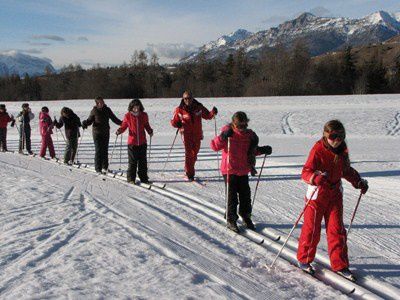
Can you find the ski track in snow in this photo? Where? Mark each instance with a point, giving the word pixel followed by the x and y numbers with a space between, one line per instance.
pixel 394 125
pixel 68 234
pixel 151 224
pixel 285 124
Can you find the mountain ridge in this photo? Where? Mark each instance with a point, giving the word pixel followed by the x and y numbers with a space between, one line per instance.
pixel 321 34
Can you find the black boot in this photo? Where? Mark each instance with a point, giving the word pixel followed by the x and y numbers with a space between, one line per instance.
pixel 249 224
pixel 232 226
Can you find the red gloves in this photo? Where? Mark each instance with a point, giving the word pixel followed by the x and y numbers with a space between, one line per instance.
pixel 320 179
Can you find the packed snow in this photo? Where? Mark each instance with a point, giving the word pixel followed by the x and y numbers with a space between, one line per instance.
pixel 66 233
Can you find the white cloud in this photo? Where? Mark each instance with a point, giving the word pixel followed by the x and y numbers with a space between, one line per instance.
pixel 48 37
pixel 38 44
pixel 320 11
pixel 169 50
pixel 83 39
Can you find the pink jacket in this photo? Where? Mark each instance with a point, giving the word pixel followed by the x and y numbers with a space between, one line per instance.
pixel 45 124
pixel 238 157
pixel 137 125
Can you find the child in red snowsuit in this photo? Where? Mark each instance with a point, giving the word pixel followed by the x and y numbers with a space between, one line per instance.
pixel 235 167
pixel 187 118
pixel 137 121
pixel 46 130
pixel 327 163
pixel 5 118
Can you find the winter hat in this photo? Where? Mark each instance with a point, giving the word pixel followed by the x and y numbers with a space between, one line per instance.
pixel 45 109
pixel 25 105
pixel 135 102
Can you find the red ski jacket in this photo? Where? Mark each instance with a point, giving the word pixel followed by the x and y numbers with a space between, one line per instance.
pixel 45 124
pixel 191 116
pixel 336 166
pixel 4 119
pixel 239 147
pixel 136 124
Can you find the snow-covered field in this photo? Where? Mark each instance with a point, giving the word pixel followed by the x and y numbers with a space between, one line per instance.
pixel 66 233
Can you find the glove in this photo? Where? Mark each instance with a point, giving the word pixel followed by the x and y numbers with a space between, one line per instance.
pixel 226 134
pixel 265 150
pixel 151 133
pixel 320 180
pixel 179 124
pixel 12 123
pixel 118 132
pixel 84 125
pixel 363 186
pixel 215 110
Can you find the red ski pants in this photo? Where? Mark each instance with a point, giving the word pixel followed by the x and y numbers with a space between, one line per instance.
pixel 192 147
pixel 47 142
pixel 332 211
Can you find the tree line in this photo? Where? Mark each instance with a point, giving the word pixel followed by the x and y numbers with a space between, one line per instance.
pixel 280 71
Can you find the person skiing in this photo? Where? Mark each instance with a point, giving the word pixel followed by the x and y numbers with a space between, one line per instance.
pixel 238 143
pixel 99 117
pixel 46 130
pixel 188 119
pixel 24 118
pixel 137 121
pixel 327 163
pixel 72 123
pixel 5 118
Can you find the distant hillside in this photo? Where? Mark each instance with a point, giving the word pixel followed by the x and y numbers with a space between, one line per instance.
pixel 388 52
pixel 320 34
pixel 16 63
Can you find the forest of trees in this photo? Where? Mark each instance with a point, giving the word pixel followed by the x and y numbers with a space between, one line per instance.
pixel 278 72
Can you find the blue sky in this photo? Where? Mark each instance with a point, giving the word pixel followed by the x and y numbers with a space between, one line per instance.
pixel 108 32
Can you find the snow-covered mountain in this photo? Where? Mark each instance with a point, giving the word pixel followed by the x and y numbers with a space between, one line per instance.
pixel 14 62
pixel 321 34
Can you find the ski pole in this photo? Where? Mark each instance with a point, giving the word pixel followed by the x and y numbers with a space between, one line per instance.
pixel 120 154
pixel 62 134
pixel 19 134
pixel 294 226
pixel 170 150
pixel 23 133
pixel 112 152
pixel 227 178
pixel 354 214
pixel 215 131
pixel 258 181
pixel 79 145
pixel 149 154
pixel 58 146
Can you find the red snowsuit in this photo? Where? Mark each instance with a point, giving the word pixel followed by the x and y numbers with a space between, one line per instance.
pixel 137 125
pixel 137 144
pixel 4 119
pixel 191 130
pixel 327 203
pixel 46 130
pixel 238 159
pixel 236 172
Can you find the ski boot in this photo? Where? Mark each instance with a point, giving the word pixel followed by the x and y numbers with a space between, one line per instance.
pixel 248 223
pixel 346 273
pixel 232 226
pixel 306 267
